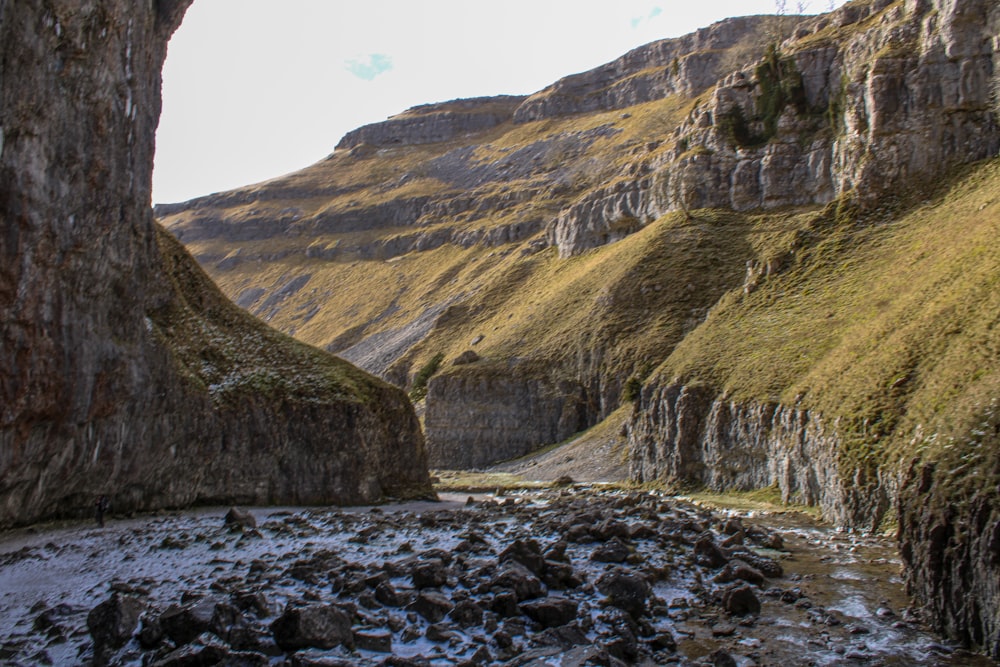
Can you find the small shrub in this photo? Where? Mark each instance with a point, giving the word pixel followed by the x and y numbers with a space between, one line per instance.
pixel 734 127
pixel 419 390
pixel 632 389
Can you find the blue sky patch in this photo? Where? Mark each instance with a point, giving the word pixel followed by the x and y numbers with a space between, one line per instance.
pixel 370 66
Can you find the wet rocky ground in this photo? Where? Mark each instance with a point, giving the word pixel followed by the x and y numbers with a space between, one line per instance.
pixel 557 578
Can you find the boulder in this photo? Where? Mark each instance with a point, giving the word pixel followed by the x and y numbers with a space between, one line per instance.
pixel 551 612
pixel 741 601
pixel 432 605
pixel 316 625
pixel 525 552
pixel 520 581
pixel 112 623
pixel 240 518
pixel 626 590
pixel 429 574
pixel 612 551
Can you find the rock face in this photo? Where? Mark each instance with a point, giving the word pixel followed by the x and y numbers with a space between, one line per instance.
pixel 481 416
pixel 435 122
pixel 686 66
pixel 123 370
pixel 900 94
pixel 950 544
pixel 688 434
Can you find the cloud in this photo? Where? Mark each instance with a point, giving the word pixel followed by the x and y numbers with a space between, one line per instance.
pixel 653 13
pixel 370 66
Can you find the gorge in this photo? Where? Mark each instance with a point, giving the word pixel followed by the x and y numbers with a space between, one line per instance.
pixel 765 254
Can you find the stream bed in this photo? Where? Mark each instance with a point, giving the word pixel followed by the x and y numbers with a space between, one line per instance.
pixel 568 577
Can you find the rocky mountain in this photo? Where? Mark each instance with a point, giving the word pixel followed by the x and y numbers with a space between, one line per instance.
pixel 123 370
pixel 775 238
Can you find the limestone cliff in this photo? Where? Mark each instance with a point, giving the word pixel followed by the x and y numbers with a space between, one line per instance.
pixel 867 102
pixel 684 66
pixel 483 414
pixel 432 123
pixel 123 371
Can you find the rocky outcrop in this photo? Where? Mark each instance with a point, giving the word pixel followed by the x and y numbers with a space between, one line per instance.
pixel 683 66
pixel 479 414
pixel 901 96
pixel 688 434
pixel 949 528
pixel 123 370
pixel 604 216
pixel 432 123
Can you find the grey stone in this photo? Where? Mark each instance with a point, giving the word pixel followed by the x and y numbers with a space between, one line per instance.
pixel 550 612
pixel 626 590
pixel 112 623
pixel 315 625
pixel 741 600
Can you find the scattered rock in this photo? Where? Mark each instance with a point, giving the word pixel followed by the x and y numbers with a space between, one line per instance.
pixel 112 623
pixel 429 574
pixel 386 593
pixel 626 590
pixel 525 552
pixel 183 623
pixel 379 641
pixel 207 649
pixel 722 658
pixel 432 605
pixel 312 626
pixel 612 551
pixel 467 357
pixel 520 581
pixel 240 518
pixel 551 612
pixel 737 570
pixel 467 614
pixel 708 553
pixel 741 600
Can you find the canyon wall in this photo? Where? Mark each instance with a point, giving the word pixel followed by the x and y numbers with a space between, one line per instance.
pixel 484 415
pixel 432 123
pixel 690 435
pixel 868 102
pixel 123 371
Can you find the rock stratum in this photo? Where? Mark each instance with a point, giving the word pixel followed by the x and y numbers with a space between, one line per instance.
pixel 124 371
pixel 772 241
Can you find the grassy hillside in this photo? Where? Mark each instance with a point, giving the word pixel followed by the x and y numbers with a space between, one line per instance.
pixel 889 322
pixel 232 356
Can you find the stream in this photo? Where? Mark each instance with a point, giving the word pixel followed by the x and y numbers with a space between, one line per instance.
pixel 554 577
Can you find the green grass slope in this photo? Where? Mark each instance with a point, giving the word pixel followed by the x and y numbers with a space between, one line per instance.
pixel 889 323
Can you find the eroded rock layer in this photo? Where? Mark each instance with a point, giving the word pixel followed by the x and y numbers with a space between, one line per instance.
pixel 123 371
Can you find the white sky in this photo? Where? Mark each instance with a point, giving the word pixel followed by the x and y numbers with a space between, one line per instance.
pixel 254 89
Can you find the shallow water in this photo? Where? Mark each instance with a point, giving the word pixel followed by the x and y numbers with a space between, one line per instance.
pixel 850 607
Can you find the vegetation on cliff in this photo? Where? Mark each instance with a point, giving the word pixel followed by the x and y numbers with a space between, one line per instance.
pixel 233 356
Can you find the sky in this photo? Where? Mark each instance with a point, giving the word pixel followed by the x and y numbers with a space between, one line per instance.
pixel 254 89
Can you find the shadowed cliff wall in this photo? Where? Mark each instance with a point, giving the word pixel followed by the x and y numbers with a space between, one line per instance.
pixel 111 344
